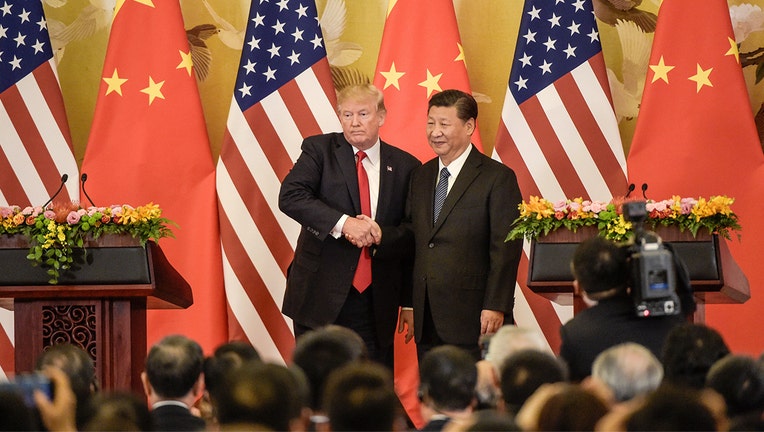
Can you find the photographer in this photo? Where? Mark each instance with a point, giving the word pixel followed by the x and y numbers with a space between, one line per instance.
pixel 601 274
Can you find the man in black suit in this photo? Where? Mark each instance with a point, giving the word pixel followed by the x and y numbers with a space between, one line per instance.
pixel 464 271
pixel 322 193
pixel 173 381
pixel 601 273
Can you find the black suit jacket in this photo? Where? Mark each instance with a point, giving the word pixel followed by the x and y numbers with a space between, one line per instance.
pixel 463 263
pixel 320 188
pixel 176 418
pixel 611 322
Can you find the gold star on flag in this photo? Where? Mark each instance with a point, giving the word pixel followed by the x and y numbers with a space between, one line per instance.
pixel 461 52
pixel 154 90
pixel 431 83
pixel 146 2
pixel 185 62
pixel 391 77
pixel 114 83
pixel 701 78
pixel 660 71
pixel 733 50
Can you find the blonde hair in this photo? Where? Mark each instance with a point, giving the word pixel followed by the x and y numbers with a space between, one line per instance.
pixel 361 91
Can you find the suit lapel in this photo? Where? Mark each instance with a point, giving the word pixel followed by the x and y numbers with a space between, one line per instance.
pixel 467 175
pixel 386 172
pixel 346 161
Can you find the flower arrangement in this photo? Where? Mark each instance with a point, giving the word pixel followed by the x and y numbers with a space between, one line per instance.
pixel 54 232
pixel 539 216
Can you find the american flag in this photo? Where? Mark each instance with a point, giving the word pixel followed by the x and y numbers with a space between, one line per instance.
pixel 35 144
pixel 283 93
pixel 558 130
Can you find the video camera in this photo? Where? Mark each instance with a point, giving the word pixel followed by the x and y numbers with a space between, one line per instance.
pixel 653 269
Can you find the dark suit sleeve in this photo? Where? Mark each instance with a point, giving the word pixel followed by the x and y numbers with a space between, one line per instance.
pixel 300 194
pixel 504 256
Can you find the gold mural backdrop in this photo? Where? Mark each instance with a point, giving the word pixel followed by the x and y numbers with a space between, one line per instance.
pixel 353 31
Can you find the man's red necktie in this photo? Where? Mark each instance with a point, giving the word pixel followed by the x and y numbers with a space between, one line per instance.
pixel 362 278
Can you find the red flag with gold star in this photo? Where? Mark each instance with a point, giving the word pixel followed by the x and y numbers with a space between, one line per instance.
pixel 696 136
pixel 421 54
pixel 149 143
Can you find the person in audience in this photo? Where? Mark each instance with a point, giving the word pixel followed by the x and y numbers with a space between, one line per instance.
pixel 689 352
pixel 173 381
pixel 260 396
pixel 227 357
pixel 15 414
pixel 78 365
pixel 740 381
pixel 57 414
pixel 505 342
pixel 628 370
pixel 571 409
pixel 601 275
pixel 485 420
pixel 117 411
pixel 447 379
pixel 320 352
pixel 524 372
pixel 673 408
pixel 361 397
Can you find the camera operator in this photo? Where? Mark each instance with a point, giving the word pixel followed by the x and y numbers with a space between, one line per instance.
pixel 601 274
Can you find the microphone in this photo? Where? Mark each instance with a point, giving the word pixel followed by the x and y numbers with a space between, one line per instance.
pixel 644 189
pixel 83 179
pixel 631 189
pixel 64 178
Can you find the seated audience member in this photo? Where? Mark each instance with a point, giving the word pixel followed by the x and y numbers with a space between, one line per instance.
pixel 689 352
pixel 740 381
pixel 77 364
pixel 118 411
pixel 321 351
pixel 260 396
pixel 571 409
pixel 601 274
pixel 508 340
pixel 227 357
pixel 361 397
pixel 628 370
pixel 58 414
pixel 15 414
pixel 485 420
pixel 673 408
pixel 447 379
pixel 524 372
pixel 173 382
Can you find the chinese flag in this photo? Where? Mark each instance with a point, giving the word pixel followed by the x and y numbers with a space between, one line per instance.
pixel 695 136
pixel 421 54
pixel 149 143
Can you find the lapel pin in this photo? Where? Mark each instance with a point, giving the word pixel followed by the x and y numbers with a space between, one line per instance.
pixel 389 168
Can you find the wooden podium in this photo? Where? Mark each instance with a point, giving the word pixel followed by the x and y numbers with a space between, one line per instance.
pixel 100 305
pixel 714 274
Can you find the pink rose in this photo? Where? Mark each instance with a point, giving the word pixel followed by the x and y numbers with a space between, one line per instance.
pixel 560 206
pixel 27 211
pixel 49 214
pixel 73 218
pixel 5 212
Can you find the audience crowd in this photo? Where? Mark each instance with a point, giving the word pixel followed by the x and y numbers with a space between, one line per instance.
pixel 692 382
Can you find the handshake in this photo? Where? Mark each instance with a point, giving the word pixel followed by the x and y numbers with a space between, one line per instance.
pixel 362 231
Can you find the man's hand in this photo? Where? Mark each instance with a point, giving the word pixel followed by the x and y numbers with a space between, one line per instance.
pixel 490 321
pixel 358 232
pixel 376 231
pixel 57 415
pixel 406 320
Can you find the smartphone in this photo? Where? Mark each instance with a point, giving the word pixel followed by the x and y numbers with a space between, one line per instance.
pixel 25 384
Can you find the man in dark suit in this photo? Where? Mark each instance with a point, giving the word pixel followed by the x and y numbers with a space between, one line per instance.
pixel 464 271
pixel 322 193
pixel 601 274
pixel 173 381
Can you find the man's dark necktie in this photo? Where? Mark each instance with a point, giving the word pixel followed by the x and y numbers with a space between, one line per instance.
pixel 441 190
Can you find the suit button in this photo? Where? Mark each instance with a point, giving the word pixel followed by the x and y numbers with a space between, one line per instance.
pixel 431 245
